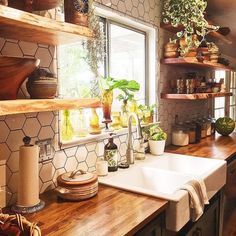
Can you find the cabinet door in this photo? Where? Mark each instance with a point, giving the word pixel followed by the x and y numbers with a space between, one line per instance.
pixel 154 228
pixel 208 224
pixel 230 187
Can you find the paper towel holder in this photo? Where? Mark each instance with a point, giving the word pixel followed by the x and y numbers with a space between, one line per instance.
pixel 26 209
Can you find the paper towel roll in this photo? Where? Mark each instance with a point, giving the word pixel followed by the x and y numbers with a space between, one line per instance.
pixel 28 186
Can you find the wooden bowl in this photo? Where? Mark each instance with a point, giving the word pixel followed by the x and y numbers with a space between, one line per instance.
pixel 42 88
pixel 34 5
pixel 13 72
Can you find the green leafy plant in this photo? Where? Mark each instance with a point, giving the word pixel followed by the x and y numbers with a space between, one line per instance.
pixel 154 132
pixel 126 86
pixel 189 14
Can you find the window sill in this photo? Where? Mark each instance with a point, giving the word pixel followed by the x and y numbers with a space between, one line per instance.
pixel 76 141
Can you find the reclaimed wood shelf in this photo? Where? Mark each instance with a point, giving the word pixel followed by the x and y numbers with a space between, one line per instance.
pixel 195 96
pixel 193 62
pixel 20 25
pixel 9 107
pixel 213 34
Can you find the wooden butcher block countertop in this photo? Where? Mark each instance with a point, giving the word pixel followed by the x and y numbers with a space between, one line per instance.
pixel 118 212
pixel 111 212
pixel 217 147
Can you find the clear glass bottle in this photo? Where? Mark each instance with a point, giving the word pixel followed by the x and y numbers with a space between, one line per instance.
pixel 180 136
pixel 124 114
pixel 67 129
pixel 203 127
pixel 116 120
pixel 94 127
pixel 80 129
pixel 191 131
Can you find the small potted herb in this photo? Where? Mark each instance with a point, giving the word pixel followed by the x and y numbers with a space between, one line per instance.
pixel 156 139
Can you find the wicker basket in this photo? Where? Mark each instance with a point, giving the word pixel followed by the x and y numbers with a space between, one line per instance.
pixel 17 225
pixel 74 16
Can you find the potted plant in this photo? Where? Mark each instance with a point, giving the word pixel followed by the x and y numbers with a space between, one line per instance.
pixel 146 113
pixel 41 84
pixel 107 86
pixel 156 139
pixel 190 15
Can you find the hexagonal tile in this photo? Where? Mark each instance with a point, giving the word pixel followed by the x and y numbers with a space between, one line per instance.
pixel 70 151
pixel 45 118
pixel 45 57
pixel 47 186
pixel 135 3
pixel 134 12
pixel 31 114
pixel 123 149
pixel 28 48
pixel 55 124
pixel 146 6
pixel 91 146
pixel 59 159
pixel 117 142
pixel 128 5
pixel 31 127
pixel 81 154
pixel 15 140
pixel 123 138
pixel 71 164
pixel 115 2
pixel 47 171
pixel 4 153
pixel 13 162
pixel 140 10
pixel 2 118
pixel 121 6
pixel 11 49
pixel 82 166
pixel 46 132
pixel 2 175
pixel 15 121
pixel 91 159
pixel 13 182
pixel 57 173
pixel 4 131
pixel 100 149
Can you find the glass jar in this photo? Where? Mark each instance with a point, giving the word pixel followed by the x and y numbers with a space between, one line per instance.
pixel 208 122
pixel 203 127
pixel 94 127
pixel 116 121
pixel 180 135
pixel 67 129
pixel 80 129
pixel 191 131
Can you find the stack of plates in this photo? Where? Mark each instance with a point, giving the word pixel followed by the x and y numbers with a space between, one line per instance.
pixel 77 185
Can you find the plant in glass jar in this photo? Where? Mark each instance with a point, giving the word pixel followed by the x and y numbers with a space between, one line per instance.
pixel 190 15
pixel 146 113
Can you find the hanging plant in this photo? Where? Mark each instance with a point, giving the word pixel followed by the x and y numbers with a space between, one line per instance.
pixel 95 46
pixel 189 14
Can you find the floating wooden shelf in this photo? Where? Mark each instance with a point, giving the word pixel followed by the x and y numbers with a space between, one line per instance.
pixel 195 96
pixel 213 34
pixel 9 107
pixel 20 25
pixel 193 62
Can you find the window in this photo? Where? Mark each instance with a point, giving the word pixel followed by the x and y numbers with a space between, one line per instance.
pixel 220 102
pixel 232 85
pixel 126 57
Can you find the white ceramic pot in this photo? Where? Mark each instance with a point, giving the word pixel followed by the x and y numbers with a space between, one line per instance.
pixel 157 147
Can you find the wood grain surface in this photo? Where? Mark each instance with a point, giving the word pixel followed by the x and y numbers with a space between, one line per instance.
pixel 20 25
pixel 216 146
pixel 111 212
pixel 17 106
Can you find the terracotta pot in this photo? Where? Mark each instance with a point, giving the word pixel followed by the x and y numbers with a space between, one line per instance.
pixel 75 16
pixel 33 5
pixel 13 72
pixel 42 88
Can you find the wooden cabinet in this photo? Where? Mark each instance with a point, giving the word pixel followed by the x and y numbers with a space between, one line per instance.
pixel 154 228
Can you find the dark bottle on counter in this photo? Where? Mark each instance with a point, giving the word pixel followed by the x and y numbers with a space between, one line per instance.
pixel 111 155
pixel 198 131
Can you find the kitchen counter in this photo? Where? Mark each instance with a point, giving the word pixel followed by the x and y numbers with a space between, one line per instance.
pixel 111 212
pixel 118 212
pixel 217 147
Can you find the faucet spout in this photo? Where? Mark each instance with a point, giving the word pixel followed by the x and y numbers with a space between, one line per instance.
pixel 130 149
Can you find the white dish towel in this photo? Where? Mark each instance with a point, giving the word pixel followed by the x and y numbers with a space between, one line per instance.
pixel 196 189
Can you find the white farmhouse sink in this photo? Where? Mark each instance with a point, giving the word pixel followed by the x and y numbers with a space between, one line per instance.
pixel 163 177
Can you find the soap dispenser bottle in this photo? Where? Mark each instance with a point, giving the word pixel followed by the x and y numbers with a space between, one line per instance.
pixel 111 155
